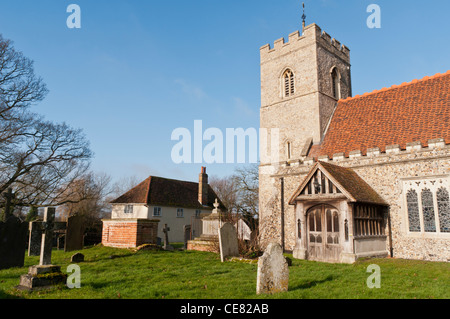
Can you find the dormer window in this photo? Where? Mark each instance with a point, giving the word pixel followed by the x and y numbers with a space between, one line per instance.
pixel 288 81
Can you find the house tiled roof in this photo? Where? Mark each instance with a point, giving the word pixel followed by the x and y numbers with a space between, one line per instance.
pixel 167 192
pixel 410 112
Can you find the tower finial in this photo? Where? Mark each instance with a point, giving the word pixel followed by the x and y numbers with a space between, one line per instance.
pixel 303 18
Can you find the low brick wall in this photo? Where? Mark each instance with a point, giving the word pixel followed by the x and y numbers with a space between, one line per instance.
pixel 129 233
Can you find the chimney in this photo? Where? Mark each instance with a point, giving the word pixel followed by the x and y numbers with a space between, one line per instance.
pixel 203 187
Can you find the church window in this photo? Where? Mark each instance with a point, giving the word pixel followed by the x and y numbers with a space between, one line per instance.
pixel 413 211
pixel 335 78
pixel 288 82
pixel 289 150
pixel 368 221
pixel 443 203
pixel 428 211
pixel 428 205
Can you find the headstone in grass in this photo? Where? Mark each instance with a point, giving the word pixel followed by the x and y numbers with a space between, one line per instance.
pixel 187 234
pixel 35 238
pixel 228 241
pixel 74 233
pixel 166 238
pixel 77 258
pixel 13 240
pixel 273 271
pixel 44 275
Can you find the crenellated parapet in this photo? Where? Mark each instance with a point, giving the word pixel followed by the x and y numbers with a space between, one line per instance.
pixel 311 33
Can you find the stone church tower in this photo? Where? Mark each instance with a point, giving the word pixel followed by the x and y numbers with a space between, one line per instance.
pixel 301 81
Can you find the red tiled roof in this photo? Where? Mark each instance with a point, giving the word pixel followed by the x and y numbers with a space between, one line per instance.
pixel 166 192
pixel 410 112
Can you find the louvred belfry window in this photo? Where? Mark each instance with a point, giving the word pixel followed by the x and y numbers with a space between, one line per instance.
pixel 289 83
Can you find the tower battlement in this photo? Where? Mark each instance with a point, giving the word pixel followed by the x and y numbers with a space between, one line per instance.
pixel 311 33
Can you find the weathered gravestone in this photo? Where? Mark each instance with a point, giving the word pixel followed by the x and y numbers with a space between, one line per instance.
pixel 228 241
pixel 77 258
pixel 166 238
pixel 13 241
pixel 13 237
pixel 45 274
pixel 273 271
pixel 74 238
pixel 35 237
pixel 187 234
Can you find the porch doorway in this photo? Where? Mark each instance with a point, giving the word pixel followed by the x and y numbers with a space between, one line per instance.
pixel 323 234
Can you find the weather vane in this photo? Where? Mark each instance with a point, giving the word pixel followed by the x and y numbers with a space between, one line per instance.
pixel 303 18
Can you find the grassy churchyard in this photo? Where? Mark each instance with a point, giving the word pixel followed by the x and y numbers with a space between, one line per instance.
pixel 109 273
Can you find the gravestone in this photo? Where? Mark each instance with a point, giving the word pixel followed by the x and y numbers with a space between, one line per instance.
pixel 228 241
pixel 187 234
pixel 45 274
pixel 35 237
pixel 13 240
pixel 74 233
pixel 166 238
pixel 77 258
pixel 273 271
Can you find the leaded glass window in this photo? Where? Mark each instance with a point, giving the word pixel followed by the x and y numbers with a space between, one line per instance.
pixel 444 210
pixel 413 211
pixel 429 222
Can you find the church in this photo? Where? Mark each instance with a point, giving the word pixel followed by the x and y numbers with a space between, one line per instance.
pixel 352 176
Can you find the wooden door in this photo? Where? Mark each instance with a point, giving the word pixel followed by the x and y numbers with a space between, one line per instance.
pixel 323 234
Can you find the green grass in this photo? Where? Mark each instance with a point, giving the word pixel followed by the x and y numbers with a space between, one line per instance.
pixel 201 275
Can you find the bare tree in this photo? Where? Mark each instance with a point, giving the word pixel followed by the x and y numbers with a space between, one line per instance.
pixel 38 158
pixel 247 187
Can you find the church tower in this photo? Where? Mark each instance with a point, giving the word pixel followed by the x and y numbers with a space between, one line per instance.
pixel 301 81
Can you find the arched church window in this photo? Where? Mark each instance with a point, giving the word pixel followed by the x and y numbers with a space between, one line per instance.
pixel 412 202
pixel 443 203
pixel 336 84
pixel 288 80
pixel 428 211
pixel 289 150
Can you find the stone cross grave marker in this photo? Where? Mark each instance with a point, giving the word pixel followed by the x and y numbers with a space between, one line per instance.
pixel 47 237
pixel 273 271
pixel 166 238
pixel 9 197
pixel 228 241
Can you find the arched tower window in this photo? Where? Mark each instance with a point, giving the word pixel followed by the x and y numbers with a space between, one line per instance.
pixel 336 83
pixel 288 82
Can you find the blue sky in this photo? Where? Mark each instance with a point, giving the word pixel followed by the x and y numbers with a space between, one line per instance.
pixel 136 70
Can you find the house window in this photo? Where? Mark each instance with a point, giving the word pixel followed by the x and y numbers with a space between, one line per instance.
pixel 335 78
pixel 428 205
pixel 157 211
pixel 180 212
pixel 128 209
pixel 289 82
pixel 198 212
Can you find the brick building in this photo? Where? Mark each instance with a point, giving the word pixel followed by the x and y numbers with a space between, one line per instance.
pixel 353 176
pixel 138 216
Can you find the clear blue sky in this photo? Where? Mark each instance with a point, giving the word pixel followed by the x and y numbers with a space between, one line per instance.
pixel 136 69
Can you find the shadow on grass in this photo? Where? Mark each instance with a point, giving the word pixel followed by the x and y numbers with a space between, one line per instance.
pixel 311 284
pixel 4 295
